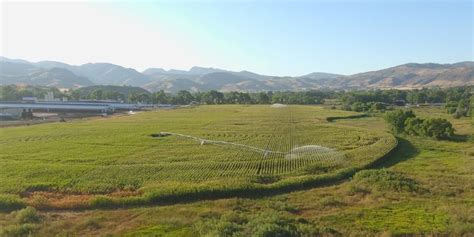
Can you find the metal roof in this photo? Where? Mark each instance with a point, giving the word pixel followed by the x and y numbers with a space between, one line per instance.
pixel 55 106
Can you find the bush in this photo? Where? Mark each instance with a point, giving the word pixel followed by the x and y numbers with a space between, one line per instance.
pixel 377 106
pixel 263 224
pixel 433 127
pixel 457 115
pixel 27 215
pixel 407 122
pixel 397 119
pixel 437 128
pixel 10 203
pixel 385 180
pixel 459 108
pixel 451 107
pixel 414 126
pixel 359 107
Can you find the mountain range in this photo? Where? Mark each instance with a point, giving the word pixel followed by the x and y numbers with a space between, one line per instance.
pixel 62 75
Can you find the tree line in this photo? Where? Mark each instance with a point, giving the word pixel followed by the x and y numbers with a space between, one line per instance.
pixel 458 101
pixel 406 122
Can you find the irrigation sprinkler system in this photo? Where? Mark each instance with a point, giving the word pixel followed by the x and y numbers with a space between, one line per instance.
pixel 284 148
pixel 307 151
pixel 203 141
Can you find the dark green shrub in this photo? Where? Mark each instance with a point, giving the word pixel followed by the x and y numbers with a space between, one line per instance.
pixel 397 119
pixel 437 128
pixel 377 106
pixel 451 107
pixel 414 126
pixel 27 215
pixel 385 180
pixel 359 107
pixel 457 115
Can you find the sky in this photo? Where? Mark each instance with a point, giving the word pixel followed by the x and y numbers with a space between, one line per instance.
pixel 284 38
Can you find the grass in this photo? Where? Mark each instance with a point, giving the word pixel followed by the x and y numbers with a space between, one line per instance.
pixel 396 219
pixel 102 157
pixel 441 169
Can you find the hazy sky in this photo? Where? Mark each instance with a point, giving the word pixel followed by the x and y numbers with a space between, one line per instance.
pixel 268 37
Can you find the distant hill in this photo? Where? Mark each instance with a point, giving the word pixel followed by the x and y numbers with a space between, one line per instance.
pixel 173 85
pixel 407 76
pixel 102 73
pixel 111 74
pixel 320 75
pixel 27 74
pixel 413 75
pixel 125 90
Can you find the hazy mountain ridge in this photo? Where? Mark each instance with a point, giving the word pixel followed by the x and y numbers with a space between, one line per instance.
pixel 414 75
pixel 22 73
pixel 410 75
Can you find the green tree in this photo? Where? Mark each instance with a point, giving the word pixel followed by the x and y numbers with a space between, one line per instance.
pixel 397 119
pixel 75 95
pixel 414 126
pixel 97 94
pixel 161 97
pixel 8 93
pixel 213 97
pixel 184 97
pixel 144 98
pixel 437 128
pixel 359 107
pixel 263 98
pixel 377 106
pixel 133 97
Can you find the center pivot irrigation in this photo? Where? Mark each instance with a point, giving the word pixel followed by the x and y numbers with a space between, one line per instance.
pixel 307 151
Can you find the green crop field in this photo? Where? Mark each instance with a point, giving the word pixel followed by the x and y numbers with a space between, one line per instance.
pixel 234 170
pixel 231 150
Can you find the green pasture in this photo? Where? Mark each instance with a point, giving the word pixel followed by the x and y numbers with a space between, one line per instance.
pixel 102 156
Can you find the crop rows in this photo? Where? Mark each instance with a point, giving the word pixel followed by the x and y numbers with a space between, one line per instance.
pixel 101 156
pixel 274 151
